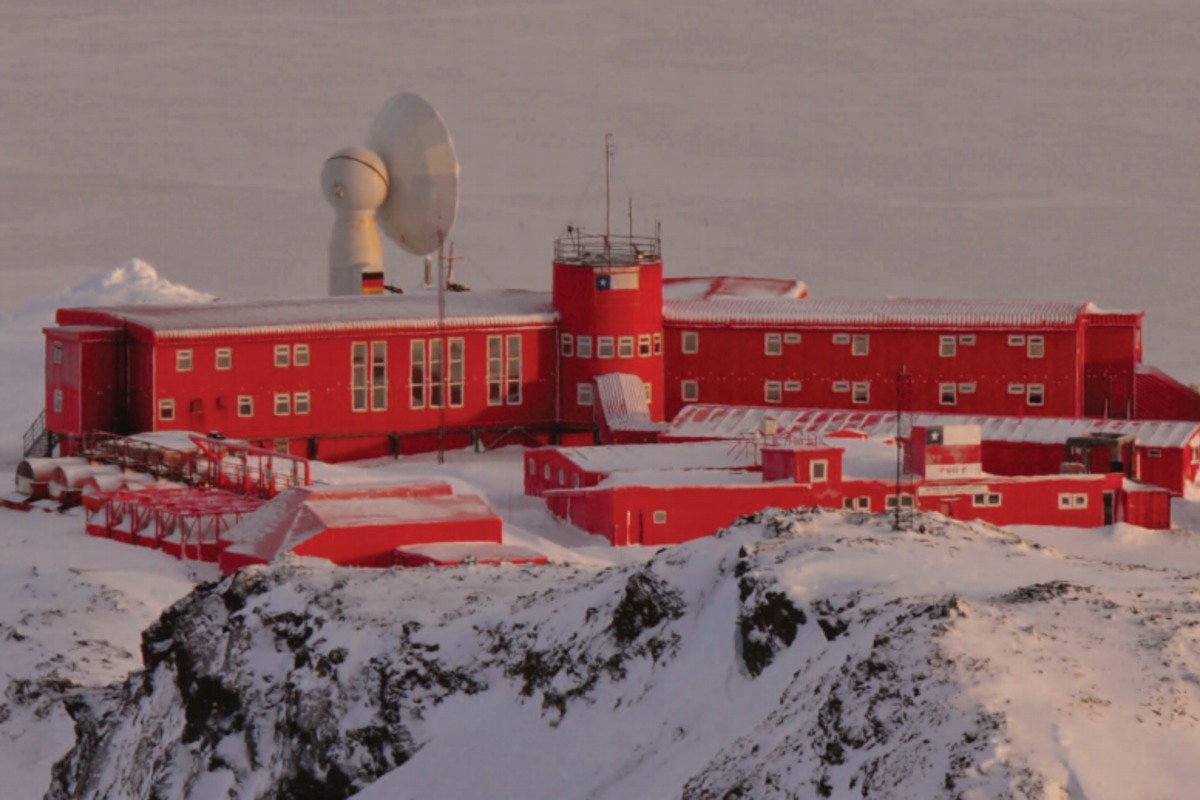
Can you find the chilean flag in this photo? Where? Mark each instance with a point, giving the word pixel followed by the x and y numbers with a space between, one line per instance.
pixel 616 280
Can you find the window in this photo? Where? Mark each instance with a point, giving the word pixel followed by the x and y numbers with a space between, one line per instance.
pixel 773 344
pixel 966 388
pixel 183 360
pixel 864 503
pixel 967 339
pixel 861 503
pixel 166 409
pixel 56 351
pixel 791 338
pixel 562 477
pixel 841 386
pixel 567 345
pixel 862 393
pixel 378 376
pixel 513 372
pixel 861 344
pixel 906 501
pixel 583 394
pixel 625 347
pixel 245 405
pixel 947 394
pixel 841 338
pixel 280 445
pixel 658 344
pixel 1035 394
pixel 283 355
pixel 301 402
pixel 300 355
pixel 644 345
pixel 546 472
pixel 948 347
pixel 58 400
pixel 495 367
pixel 848 503
pixel 660 517
pixel 1036 347
pixel 1016 388
pixel 689 391
pixel 791 386
pixel 690 341
pixel 818 470
pixel 283 404
pixel 585 347
pixel 224 358
pixel 1154 453
pixel 604 347
pixel 575 481
pixel 648 388
pixel 436 373
pixel 358 376
pixel 416 372
pixel 985 499
pixel 1066 501
pixel 773 392
pixel 457 346
pixel 1016 340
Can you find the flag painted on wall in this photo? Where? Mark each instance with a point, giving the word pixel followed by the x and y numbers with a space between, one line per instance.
pixel 617 280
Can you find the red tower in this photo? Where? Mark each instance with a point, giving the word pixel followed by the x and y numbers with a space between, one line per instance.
pixel 608 291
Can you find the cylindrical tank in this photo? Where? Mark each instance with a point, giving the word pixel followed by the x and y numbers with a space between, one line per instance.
pixel 66 482
pixel 33 475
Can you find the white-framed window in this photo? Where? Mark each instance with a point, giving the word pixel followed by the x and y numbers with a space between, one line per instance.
pixel 300 357
pixel 841 338
pixel 864 504
pixel 183 360
pixel 861 392
pixel 966 388
pixel 166 409
pixel 690 341
pixel 379 394
pixel 966 339
pixel 1072 500
pixel 245 405
pixel 660 517
pixel 604 347
pixel 1016 388
pixel 983 499
pixel 906 501
pixel 648 388
pixel 358 374
pixel 495 367
pixel 568 345
pixel 301 402
pixel 625 347
pixel 791 386
pixel 644 347
pixel 58 401
pixel 791 338
pixel 283 355
pixel 280 445
pixel 224 358
pixel 1154 453
pixel 841 386
pixel 56 352
pixel 948 346
pixel 584 395
pixel 283 404
pixel 1035 394
pixel 417 375
pixel 849 503
pixel 773 391
pixel 658 344
pixel 818 470
pixel 689 391
pixel 512 370
pixel 457 371
pixel 1036 347
pixel 1016 340
pixel 583 347
pixel 948 394
pixel 859 503
pixel 860 345
pixel 773 344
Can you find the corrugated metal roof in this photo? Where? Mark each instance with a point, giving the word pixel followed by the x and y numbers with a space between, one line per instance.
pixel 852 312
pixel 624 403
pixel 637 457
pixel 417 310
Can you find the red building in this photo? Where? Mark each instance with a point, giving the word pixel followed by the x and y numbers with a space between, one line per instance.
pixel 353 377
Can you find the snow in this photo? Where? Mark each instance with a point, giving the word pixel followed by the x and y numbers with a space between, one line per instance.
pixel 1025 150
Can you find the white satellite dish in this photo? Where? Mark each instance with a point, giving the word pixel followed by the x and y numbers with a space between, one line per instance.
pixel 410 149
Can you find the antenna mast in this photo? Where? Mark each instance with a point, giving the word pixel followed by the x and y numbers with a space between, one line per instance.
pixel 608 154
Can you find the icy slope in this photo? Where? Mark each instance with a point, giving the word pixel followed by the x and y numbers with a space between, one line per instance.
pixel 795 655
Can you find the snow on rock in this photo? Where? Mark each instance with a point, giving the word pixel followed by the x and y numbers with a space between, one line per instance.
pixel 796 654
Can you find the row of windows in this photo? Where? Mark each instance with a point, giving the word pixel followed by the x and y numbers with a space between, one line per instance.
pixel 860 391
pixel 645 345
pixel 860 343
pixel 285 356
pixel 285 404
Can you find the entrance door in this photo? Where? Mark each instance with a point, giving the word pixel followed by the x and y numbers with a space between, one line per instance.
pixel 1108 508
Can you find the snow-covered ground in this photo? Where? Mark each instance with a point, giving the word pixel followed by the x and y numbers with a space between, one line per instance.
pixel 1020 148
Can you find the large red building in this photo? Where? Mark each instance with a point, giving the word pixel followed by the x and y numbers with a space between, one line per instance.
pixel 352 377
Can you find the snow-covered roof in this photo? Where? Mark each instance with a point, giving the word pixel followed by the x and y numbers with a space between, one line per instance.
pixel 686 455
pixel 876 312
pixel 624 403
pixel 743 422
pixel 416 310
pixel 726 286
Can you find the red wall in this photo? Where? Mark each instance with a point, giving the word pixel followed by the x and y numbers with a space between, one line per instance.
pixel 90 374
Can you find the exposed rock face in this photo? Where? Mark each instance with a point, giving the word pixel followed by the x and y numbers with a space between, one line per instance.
pixel 795 655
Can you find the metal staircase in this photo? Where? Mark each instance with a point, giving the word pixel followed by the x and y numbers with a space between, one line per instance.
pixel 37 441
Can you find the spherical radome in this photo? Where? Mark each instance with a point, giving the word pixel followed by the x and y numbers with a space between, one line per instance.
pixel 415 145
pixel 355 179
